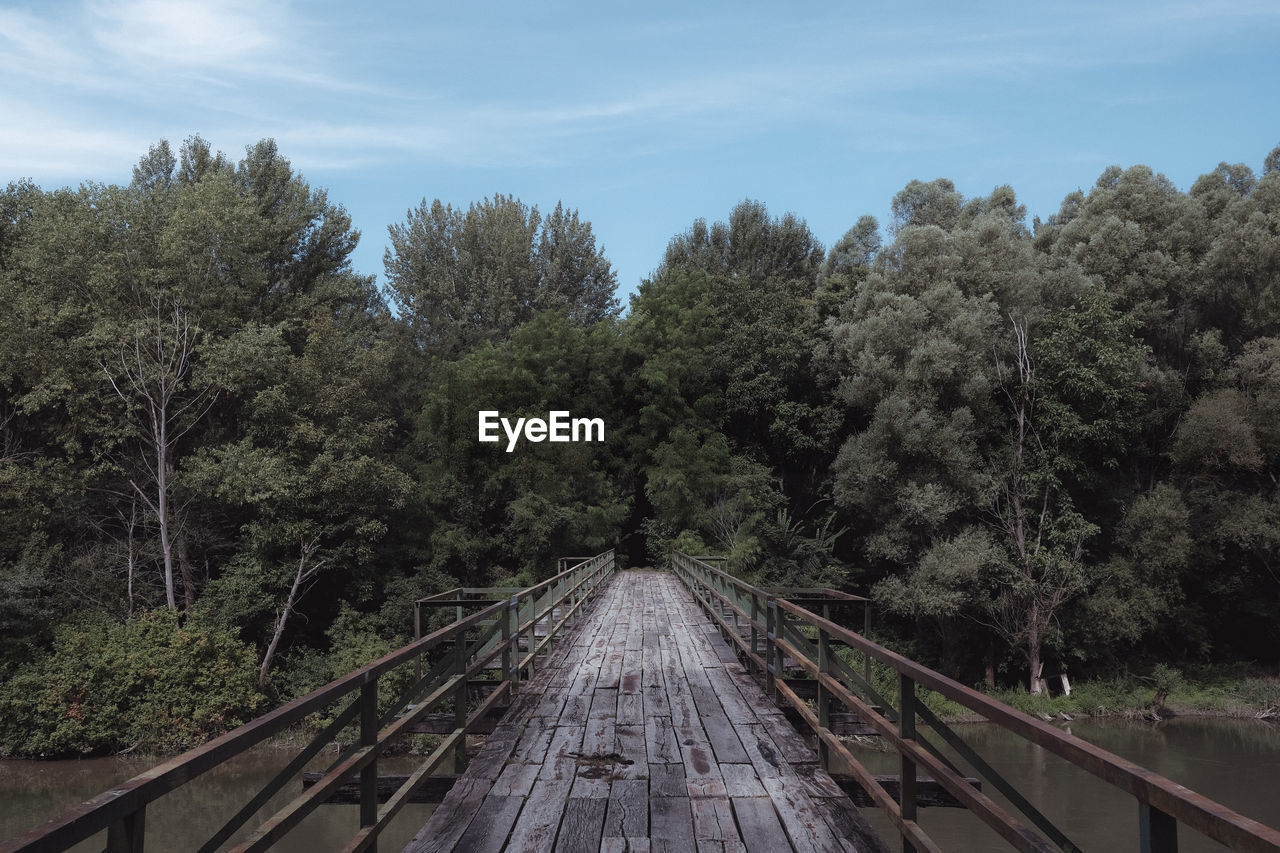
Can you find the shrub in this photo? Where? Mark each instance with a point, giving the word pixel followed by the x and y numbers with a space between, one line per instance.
pixel 148 683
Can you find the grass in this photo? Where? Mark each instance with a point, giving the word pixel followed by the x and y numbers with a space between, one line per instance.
pixel 1202 693
pixel 1228 691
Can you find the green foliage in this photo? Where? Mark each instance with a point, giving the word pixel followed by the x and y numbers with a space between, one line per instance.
pixel 352 643
pixel 1058 445
pixel 147 683
pixel 523 509
pixel 462 278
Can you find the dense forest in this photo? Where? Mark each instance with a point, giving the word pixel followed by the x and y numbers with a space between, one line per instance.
pixel 229 461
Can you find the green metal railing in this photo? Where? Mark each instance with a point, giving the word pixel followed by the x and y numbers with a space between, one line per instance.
pixel 499 630
pixel 771 631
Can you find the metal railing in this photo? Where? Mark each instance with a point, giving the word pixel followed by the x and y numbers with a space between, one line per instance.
pixel 781 632
pixel 452 655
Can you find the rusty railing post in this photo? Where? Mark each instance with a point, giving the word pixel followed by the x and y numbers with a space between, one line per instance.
pixel 1158 831
pixel 755 619
pixel 866 632
pixel 460 702
pixel 907 730
pixel 369 738
pixel 824 696
pixel 770 646
pixel 510 649
pixel 127 834
pixel 417 635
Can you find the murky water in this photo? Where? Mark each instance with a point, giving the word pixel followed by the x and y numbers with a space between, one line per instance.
pixel 1236 762
pixel 34 791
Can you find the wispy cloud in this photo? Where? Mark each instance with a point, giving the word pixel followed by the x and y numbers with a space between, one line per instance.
pixel 39 143
pixel 209 34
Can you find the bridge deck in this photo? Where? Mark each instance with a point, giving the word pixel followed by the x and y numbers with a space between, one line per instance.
pixel 643 732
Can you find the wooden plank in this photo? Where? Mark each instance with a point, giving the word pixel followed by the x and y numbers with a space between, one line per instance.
pixel 667 780
pixel 604 704
pixel 580 829
pixel 535 738
pixel 724 740
pixel 628 813
pixel 816 782
pixel 575 711
pixel 448 822
pixel 631 747
pixel 793 748
pixel 599 738
pixel 630 708
pixel 764 755
pixel 713 819
pixel 432 790
pixel 535 829
pixel 656 703
pixel 660 741
pixel 492 824
pixel 591 785
pixel 611 669
pixel 624 845
pixel 805 827
pixel 695 752
pixel 630 681
pixel 561 761
pixel 492 757
pixel 730 691
pixel 740 780
pixel 849 826
pixel 670 821
pixel 761 830
pixel 552 703
pixel 516 780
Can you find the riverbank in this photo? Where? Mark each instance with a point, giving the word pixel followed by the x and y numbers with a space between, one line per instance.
pixel 1198 692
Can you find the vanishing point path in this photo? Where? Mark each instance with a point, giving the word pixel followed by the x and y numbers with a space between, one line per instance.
pixel 643 732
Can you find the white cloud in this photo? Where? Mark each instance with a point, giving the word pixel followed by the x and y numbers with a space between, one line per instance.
pixel 44 146
pixel 185 33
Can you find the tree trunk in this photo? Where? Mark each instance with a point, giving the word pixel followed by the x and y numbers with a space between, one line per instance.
pixel 131 557
pixel 300 577
pixel 188 580
pixel 162 518
pixel 989 663
pixel 1037 667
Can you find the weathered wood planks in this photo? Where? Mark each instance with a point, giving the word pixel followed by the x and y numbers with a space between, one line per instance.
pixel 641 732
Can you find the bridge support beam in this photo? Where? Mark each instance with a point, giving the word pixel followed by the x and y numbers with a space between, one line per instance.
pixel 907 730
pixel 369 738
pixel 1158 832
pixel 125 836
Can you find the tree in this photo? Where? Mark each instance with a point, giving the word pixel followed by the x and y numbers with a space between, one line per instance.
pixel 1043 534
pixel 314 469
pixel 464 278
pixel 496 513
pixel 152 378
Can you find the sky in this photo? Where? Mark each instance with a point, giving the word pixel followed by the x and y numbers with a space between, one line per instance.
pixel 644 117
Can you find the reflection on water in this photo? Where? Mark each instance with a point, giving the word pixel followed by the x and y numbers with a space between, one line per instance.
pixel 34 791
pixel 1236 762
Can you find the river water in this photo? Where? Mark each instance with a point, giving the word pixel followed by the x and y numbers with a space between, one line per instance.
pixel 33 791
pixel 1236 762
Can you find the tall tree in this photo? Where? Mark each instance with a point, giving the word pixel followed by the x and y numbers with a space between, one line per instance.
pixel 466 277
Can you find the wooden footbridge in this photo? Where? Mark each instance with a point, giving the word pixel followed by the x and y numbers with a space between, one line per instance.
pixel 642 710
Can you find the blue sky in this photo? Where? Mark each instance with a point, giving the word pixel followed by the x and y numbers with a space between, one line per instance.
pixel 644 117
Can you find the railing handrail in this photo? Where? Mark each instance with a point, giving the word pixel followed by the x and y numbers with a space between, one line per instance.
pixel 1194 810
pixel 129 798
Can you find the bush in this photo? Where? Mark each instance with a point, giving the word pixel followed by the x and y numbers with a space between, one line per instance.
pixel 149 683
pixel 353 644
